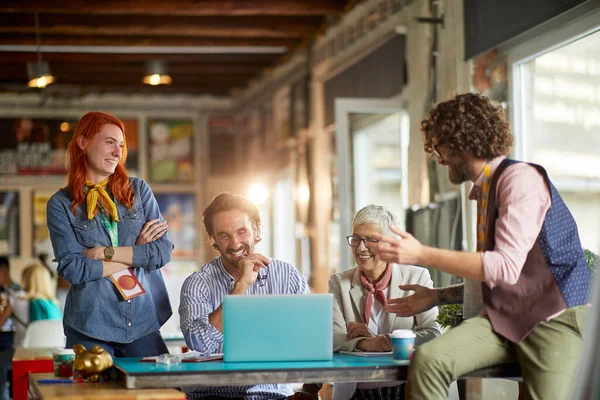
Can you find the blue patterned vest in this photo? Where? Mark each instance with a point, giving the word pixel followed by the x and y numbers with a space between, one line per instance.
pixel 555 275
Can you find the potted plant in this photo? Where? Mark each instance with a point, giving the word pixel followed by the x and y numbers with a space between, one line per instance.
pixel 591 258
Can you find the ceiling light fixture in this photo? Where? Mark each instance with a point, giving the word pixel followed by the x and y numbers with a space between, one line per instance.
pixel 39 72
pixel 157 74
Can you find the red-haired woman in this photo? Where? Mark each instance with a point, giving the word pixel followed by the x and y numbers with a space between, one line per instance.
pixel 110 241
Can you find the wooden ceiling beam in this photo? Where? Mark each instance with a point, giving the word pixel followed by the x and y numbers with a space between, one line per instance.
pixel 85 25
pixel 131 87
pixel 141 88
pixel 84 79
pixel 156 25
pixel 179 7
pixel 120 79
pixel 251 60
pixel 9 70
pixel 144 89
pixel 164 41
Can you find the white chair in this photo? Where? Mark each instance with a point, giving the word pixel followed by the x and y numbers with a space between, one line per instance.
pixel 44 333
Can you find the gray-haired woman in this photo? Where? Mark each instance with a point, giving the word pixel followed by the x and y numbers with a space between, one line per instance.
pixel 361 322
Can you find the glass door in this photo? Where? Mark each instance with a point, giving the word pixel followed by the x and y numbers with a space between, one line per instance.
pixel 371 138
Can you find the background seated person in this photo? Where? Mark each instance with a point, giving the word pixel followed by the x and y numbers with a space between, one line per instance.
pixel 232 222
pixel 360 321
pixel 36 301
pixel 7 288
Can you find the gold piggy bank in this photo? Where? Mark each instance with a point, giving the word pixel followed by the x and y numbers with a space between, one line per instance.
pixel 91 363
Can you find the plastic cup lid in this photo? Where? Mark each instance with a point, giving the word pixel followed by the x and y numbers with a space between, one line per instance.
pixel 63 351
pixel 403 333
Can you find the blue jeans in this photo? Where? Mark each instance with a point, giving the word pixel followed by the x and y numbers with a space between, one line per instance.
pixel 147 346
pixel 6 353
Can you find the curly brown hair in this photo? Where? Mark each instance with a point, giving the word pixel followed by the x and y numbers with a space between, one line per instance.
pixel 227 201
pixel 469 121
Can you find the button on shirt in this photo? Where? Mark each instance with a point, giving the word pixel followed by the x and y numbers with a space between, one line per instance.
pixel 203 292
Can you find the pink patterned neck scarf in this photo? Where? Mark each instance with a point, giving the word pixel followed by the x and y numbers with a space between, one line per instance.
pixel 375 290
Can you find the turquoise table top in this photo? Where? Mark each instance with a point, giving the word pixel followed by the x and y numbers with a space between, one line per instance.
pixel 342 368
pixel 134 366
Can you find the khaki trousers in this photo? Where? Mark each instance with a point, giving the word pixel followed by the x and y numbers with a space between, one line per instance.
pixel 548 357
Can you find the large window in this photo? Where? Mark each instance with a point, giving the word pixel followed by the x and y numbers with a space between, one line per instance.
pixel 557 108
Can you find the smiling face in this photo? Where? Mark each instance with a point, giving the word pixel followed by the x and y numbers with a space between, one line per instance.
pixel 104 152
pixel 366 261
pixel 234 237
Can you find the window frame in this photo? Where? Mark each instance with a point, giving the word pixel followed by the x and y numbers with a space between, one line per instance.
pixel 528 51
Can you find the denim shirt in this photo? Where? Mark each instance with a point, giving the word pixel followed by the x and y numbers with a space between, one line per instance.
pixel 94 306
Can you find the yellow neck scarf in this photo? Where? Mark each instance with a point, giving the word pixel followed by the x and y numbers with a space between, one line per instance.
pixel 95 191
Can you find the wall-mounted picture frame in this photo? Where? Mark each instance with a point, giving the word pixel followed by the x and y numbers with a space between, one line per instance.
pixel 9 223
pixel 171 151
pixel 38 146
pixel 132 135
pixel 34 146
pixel 178 209
pixel 41 235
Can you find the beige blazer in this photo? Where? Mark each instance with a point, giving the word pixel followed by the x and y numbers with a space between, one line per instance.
pixel 349 301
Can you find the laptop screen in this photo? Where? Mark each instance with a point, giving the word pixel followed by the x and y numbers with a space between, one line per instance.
pixel 278 327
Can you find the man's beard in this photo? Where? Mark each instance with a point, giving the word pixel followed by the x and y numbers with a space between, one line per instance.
pixel 233 260
pixel 459 172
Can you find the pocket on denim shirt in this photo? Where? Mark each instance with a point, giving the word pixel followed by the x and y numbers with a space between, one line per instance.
pixel 134 220
pixel 87 232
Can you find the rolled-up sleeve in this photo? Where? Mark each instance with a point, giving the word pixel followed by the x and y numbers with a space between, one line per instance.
pixel 72 265
pixel 194 310
pixel 156 254
pixel 524 199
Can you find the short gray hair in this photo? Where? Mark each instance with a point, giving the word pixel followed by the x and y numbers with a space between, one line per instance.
pixel 378 215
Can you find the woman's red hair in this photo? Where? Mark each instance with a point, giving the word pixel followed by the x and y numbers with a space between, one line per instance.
pixel 76 161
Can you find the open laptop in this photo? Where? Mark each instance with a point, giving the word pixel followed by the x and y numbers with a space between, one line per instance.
pixel 278 327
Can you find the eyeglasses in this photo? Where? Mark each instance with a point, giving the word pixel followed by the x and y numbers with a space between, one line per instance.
pixel 262 279
pixel 436 154
pixel 354 241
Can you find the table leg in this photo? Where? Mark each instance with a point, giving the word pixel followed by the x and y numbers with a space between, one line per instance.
pixel 21 371
pixel 461 384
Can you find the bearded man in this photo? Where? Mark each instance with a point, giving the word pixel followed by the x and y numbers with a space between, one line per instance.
pixel 232 223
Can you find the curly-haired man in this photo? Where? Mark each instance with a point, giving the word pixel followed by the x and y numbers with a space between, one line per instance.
pixel 529 264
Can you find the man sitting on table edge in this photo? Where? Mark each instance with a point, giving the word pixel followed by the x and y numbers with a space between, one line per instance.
pixel 360 294
pixel 232 222
pixel 530 263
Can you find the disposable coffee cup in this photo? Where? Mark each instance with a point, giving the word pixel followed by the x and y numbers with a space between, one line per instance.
pixel 63 362
pixel 403 343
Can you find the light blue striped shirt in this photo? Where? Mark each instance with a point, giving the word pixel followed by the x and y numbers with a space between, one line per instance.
pixel 203 292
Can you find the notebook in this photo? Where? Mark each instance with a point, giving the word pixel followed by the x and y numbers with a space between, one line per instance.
pixel 359 353
pixel 278 328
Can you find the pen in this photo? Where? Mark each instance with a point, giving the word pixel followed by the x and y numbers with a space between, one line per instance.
pixel 61 380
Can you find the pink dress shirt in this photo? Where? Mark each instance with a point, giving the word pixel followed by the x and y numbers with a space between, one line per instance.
pixel 524 200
